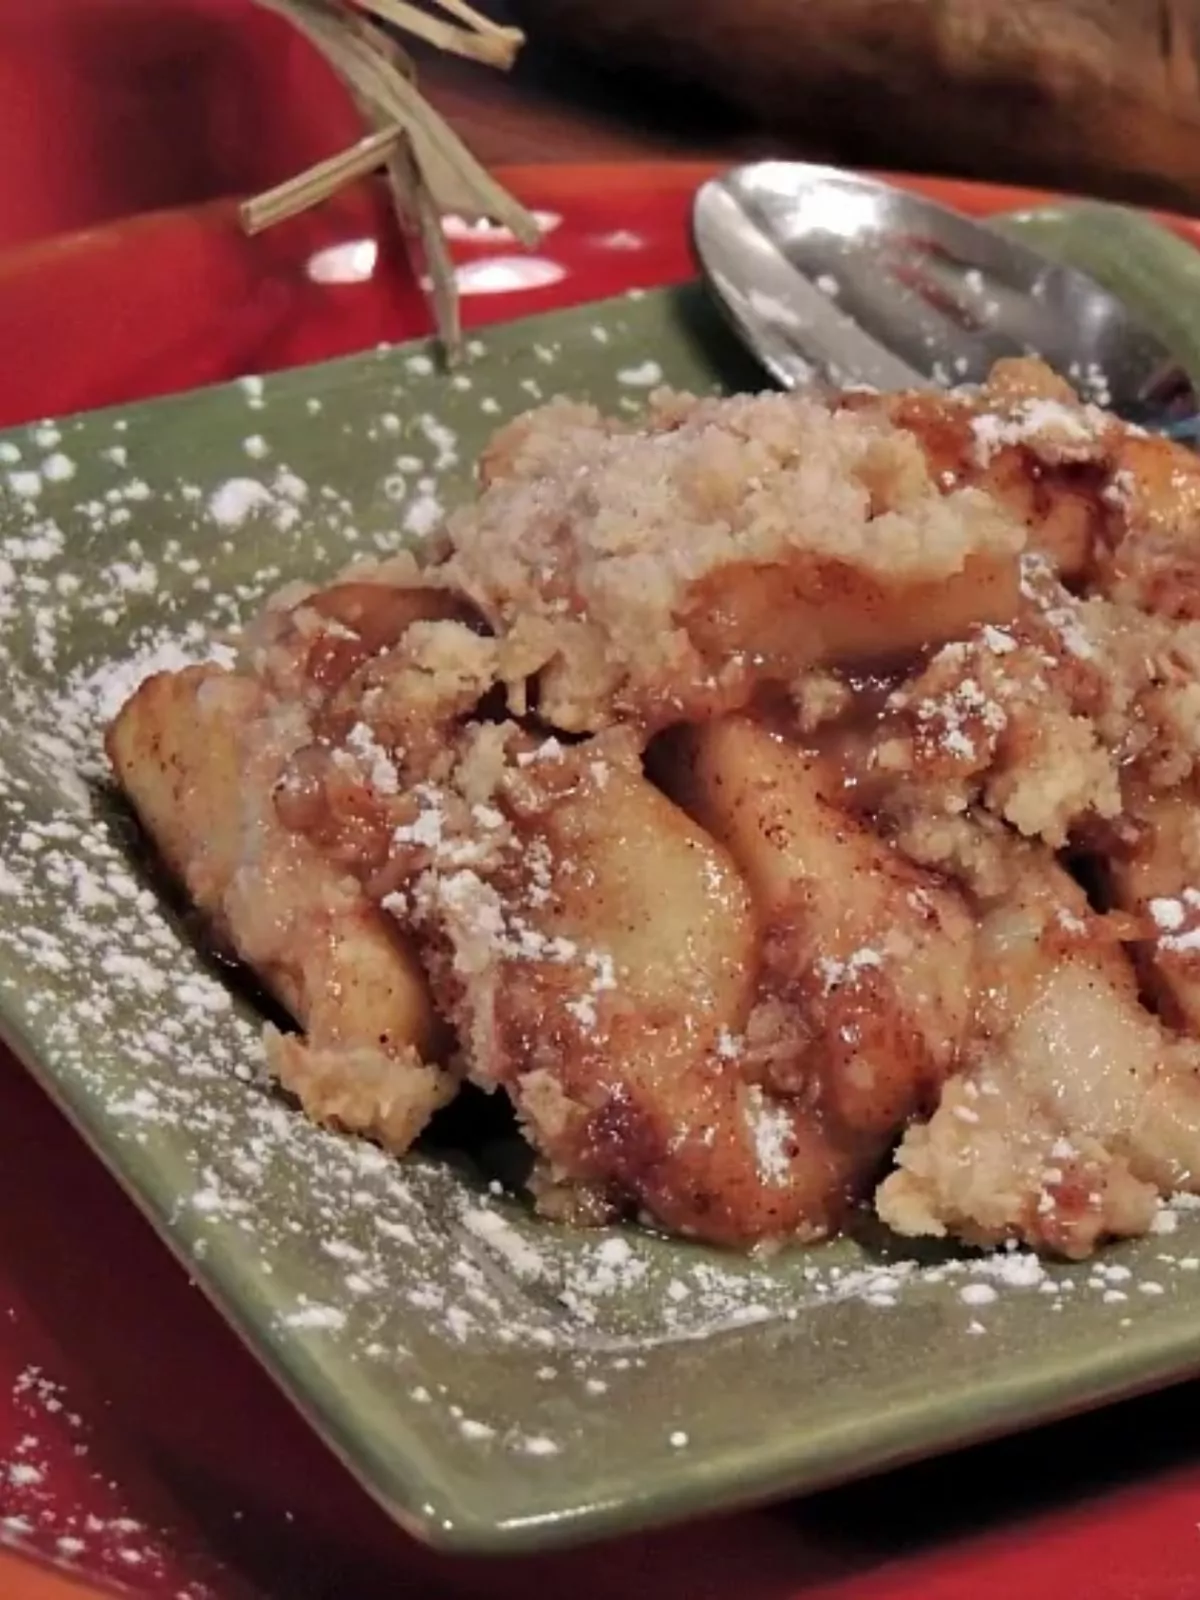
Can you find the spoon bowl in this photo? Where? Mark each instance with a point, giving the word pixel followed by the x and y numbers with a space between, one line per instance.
pixel 830 276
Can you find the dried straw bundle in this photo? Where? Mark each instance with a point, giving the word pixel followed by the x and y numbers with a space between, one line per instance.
pixel 430 171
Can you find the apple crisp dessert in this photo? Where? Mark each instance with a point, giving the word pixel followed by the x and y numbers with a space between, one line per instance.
pixel 786 803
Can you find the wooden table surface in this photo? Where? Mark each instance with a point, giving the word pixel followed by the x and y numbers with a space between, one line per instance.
pixel 552 107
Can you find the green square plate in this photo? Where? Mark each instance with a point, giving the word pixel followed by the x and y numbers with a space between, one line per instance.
pixel 494 1381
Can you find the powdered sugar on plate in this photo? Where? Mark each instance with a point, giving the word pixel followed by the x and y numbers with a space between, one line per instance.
pixel 413 1283
pixel 57 1501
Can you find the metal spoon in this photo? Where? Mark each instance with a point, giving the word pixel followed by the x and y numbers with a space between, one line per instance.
pixel 834 277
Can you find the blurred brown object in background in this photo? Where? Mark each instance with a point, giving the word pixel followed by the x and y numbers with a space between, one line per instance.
pixel 1100 96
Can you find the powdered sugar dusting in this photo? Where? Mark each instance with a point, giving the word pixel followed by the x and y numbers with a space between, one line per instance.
pixel 644 376
pixel 329 1319
pixel 1048 425
pixel 836 974
pixel 56 1500
pixel 412 1282
pixel 236 498
pixel 1177 921
pixel 771 1131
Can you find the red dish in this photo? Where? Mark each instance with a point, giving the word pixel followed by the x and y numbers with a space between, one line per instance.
pixel 138 1442
pixel 113 107
pixel 174 299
